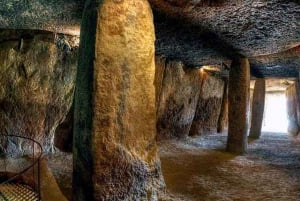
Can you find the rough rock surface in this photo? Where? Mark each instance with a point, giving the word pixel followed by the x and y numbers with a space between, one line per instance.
pixel 61 16
pixel 37 76
pixel 213 32
pixel 178 90
pixel 238 100
pixel 195 32
pixel 251 27
pixel 282 64
pixel 115 153
pixel 223 118
pixel 63 138
pixel 293 110
pixel 257 108
pixel 192 45
pixel 275 84
pixel 208 106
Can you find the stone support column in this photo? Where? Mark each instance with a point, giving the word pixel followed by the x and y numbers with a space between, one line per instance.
pixel 258 104
pixel 293 108
pixel 238 98
pixel 115 153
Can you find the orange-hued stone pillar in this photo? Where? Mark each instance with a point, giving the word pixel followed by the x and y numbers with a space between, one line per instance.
pixel 258 105
pixel 238 100
pixel 115 153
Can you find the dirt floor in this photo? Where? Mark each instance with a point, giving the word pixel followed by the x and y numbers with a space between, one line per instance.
pixel 61 166
pixel 198 169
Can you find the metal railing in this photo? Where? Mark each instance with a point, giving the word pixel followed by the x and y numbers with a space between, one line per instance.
pixel 13 149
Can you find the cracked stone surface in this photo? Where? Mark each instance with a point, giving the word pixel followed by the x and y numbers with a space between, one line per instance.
pixel 195 32
pixel 252 27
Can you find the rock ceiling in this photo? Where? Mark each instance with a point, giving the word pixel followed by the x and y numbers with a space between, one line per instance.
pixel 275 85
pixel 196 32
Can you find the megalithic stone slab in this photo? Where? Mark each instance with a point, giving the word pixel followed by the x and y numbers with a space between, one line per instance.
pixel 208 106
pixel 238 99
pixel 223 117
pixel 258 105
pixel 115 153
pixel 292 108
pixel 297 99
pixel 179 88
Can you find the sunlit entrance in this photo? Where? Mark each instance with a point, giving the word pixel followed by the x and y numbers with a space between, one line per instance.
pixel 275 114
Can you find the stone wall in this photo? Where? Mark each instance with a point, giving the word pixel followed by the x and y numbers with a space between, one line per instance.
pixel 223 118
pixel 178 91
pixel 63 139
pixel 188 100
pixel 209 105
pixel 37 78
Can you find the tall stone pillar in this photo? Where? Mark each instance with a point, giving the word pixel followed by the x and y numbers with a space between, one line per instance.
pixel 297 99
pixel 258 104
pixel 238 98
pixel 115 153
pixel 291 106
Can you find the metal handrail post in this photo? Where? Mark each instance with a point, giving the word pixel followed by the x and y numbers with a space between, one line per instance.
pixel 39 181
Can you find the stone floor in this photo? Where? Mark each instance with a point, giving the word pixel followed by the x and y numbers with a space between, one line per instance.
pixel 198 169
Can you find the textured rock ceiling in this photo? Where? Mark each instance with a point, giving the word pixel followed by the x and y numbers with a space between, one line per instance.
pixel 251 27
pixel 196 32
pixel 275 85
pixel 202 32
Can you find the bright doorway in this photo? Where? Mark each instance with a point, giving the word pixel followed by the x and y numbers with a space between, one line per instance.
pixel 275 114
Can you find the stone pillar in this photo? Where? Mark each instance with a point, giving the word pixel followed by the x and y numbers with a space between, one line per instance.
pixel 297 99
pixel 292 109
pixel 115 153
pixel 258 104
pixel 238 98
pixel 223 117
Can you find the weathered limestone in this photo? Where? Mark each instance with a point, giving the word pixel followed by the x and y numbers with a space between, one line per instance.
pixel 258 104
pixel 178 91
pixel 115 154
pixel 223 118
pixel 37 79
pixel 239 80
pixel 208 106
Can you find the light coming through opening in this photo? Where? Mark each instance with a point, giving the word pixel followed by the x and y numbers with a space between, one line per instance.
pixel 275 114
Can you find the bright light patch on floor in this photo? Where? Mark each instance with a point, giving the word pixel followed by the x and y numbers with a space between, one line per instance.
pixel 275 115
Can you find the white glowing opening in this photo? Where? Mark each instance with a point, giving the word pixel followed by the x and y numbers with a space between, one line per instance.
pixel 275 114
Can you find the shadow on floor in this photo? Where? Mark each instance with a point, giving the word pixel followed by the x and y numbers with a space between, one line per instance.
pixel 198 169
